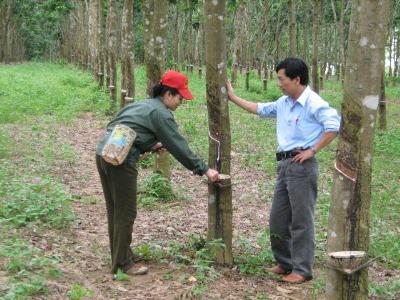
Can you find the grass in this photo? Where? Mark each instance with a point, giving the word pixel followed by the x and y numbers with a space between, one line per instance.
pixel 389 290
pixel 37 98
pixel 154 189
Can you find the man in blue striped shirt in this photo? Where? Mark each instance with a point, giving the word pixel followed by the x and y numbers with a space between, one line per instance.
pixel 305 124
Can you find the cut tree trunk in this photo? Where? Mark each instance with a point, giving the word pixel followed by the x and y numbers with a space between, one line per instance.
pixel 219 196
pixel 349 209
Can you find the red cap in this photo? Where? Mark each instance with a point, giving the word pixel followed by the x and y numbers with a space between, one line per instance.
pixel 178 81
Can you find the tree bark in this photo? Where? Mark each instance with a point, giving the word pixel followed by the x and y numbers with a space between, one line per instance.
pixel 382 104
pixel 292 28
pixel 102 39
pixel 305 40
pixel 238 36
pixel 315 34
pixel 349 210
pixel 155 22
pixel 155 40
pixel 112 49
pixel 220 197
pixel 93 36
pixel 127 47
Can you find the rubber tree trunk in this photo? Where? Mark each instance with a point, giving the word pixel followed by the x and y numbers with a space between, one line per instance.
pixel 112 50
pixel 292 27
pixel 127 47
pixel 315 35
pixel 93 36
pixel 382 104
pixel 219 198
pixel 349 210
pixel 101 40
pixel 236 52
pixel 155 37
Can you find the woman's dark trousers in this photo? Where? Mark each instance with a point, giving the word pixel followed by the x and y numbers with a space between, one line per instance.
pixel 119 187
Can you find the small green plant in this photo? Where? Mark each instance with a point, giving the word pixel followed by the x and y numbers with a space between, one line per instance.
pixel 199 290
pixel 155 188
pixel 41 201
pixel 78 292
pixel 252 260
pixel 146 161
pixel 318 286
pixel 22 289
pixel 26 267
pixel 121 276
pixel 149 252
pixel 390 290
pixel 262 296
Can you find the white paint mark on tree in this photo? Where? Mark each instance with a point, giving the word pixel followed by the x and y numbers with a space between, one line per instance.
pixel 221 18
pixel 363 41
pixel 215 2
pixel 223 90
pixel 211 199
pixel 367 159
pixel 333 234
pixel 371 101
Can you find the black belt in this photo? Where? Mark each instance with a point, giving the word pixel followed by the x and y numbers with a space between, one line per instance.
pixel 287 154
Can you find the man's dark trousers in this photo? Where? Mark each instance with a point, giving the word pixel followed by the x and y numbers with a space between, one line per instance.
pixel 292 215
pixel 119 187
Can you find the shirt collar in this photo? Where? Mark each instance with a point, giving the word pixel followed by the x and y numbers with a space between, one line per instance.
pixel 302 99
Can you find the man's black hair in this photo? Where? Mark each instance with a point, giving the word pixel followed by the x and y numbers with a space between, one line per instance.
pixel 159 90
pixel 294 67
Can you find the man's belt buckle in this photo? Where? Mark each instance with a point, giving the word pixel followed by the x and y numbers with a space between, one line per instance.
pixel 286 154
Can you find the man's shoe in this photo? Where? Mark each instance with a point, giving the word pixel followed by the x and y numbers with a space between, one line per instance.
pixel 279 270
pixel 295 278
pixel 134 270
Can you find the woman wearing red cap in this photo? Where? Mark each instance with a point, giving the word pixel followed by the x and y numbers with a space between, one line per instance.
pixel 155 127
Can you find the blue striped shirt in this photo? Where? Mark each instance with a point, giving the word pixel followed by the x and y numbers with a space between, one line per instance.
pixel 301 123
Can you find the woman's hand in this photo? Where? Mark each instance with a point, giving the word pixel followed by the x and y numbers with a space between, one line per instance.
pixel 213 175
pixel 157 148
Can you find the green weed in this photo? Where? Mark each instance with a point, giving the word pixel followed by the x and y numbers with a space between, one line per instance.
pixel 78 292
pixel 318 286
pixel 41 201
pixel 390 290
pixel 121 276
pixel 254 256
pixel 149 252
pixel 154 189
pixel 25 266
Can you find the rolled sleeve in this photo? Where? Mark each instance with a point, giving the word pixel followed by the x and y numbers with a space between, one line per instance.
pixel 329 118
pixel 265 110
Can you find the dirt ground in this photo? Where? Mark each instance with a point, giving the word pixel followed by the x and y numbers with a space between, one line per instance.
pixel 84 251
